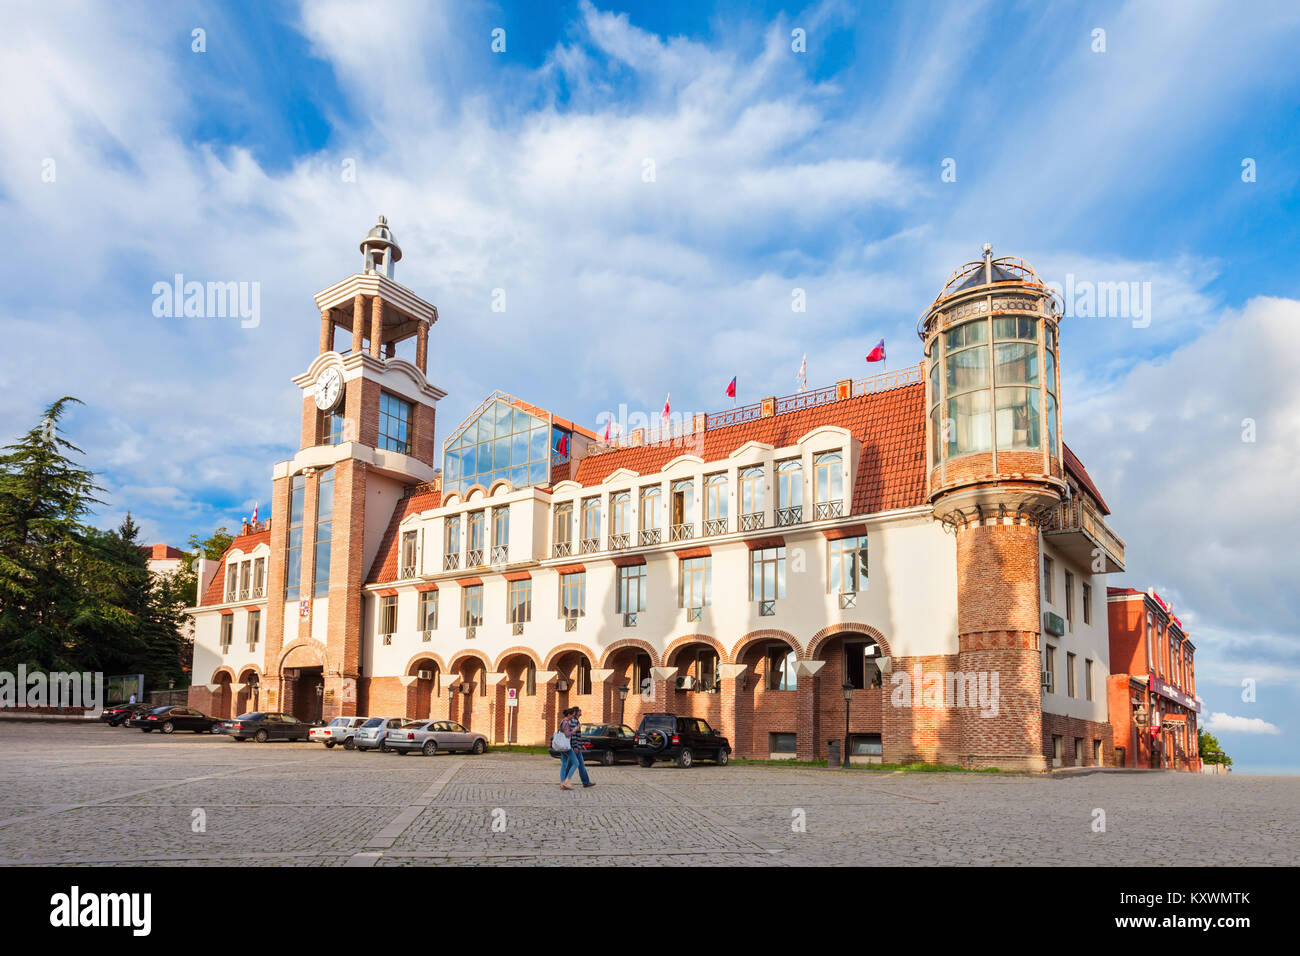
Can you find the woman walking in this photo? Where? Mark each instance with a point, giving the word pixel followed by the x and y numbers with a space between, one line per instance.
pixel 571 759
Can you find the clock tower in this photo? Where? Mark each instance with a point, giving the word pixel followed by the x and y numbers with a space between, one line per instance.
pixel 367 435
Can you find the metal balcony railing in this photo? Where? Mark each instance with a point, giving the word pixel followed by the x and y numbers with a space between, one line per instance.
pixel 789 516
pixel 590 545
pixel 714 526
pixel 828 509
pixel 681 532
pixel 473 557
pixel 753 521
pixel 563 549
pixel 450 562
pixel 1078 517
pixel 617 542
pixel 650 536
pixel 408 570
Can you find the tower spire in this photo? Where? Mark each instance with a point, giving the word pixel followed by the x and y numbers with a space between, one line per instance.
pixel 379 249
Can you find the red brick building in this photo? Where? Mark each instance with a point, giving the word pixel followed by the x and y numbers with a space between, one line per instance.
pixel 922 543
pixel 1153 704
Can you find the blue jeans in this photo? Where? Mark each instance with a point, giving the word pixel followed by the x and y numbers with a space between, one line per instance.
pixel 572 760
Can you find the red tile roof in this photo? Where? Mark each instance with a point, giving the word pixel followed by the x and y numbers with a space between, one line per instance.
pixel 890 425
pixel 161 552
pixel 215 593
pixel 1075 467
pixel 384 567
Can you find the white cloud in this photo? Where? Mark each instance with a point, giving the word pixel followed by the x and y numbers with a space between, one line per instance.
pixel 1220 723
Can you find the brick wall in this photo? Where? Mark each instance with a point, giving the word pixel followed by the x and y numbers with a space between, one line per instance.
pixel 1072 728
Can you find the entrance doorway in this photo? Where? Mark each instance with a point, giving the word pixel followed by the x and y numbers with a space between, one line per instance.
pixel 307 690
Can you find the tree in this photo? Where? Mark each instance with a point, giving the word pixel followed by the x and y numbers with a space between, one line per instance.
pixel 1210 750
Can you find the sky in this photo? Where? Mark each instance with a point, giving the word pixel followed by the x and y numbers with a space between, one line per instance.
pixel 647 188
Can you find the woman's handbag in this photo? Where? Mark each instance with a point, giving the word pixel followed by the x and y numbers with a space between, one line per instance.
pixel 559 742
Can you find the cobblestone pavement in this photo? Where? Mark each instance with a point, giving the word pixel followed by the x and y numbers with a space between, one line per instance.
pixel 77 795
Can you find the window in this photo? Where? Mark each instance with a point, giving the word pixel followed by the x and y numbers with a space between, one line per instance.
pixel 293 553
pixel 573 594
pixel 451 543
pixel 227 631
pixel 428 610
pixel 1051 668
pixel 703 666
pixel 1087 603
pixel 394 424
pixel 502 442
pixel 752 497
pixel 1087 678
pixel 254 628
pixel 848 565
pixel 715 504
pixel 259 577
pixel 1057 749
pixel 767 575
pixel 864 745
pixel 789 492
pixel 1096 751
pixel 861 670
pixel 1070 689
pixel 564 529
pixel 409 553
pixel 232 581
pixel 388 614
pixel 245 575
pixel 530 680
pixel 477 538
pixel 1015 363
pixel 1078 751
pixel 500 535
pixel 966 372
pixel 782 743
pixel 582 677
pixel 1069 601
pixel 828 485
pixel 620 519
pixel 780 668
pixel 650 511
pixel 471 605
pixel 696 583
pixel 1150 662
pixel 590 525
pixel 324 528
pixel 1049 569
pixel 683 509
pixel 1050 381
pixel 642 679
pixel 631 589
pixel 332 428
pixel 519 601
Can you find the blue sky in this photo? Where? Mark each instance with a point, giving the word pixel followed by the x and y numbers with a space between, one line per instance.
pixel 775 170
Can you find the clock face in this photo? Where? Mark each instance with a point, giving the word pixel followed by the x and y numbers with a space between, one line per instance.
pixel 329 388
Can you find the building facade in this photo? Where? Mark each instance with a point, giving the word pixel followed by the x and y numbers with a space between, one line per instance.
pixel 1153 703
pixel 918 552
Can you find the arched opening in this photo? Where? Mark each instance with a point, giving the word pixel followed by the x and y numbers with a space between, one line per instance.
pixel 696 691
pixel 421 693
pixel 575 688
pixel 468 703
pixel 851 657
pixel 248 699
pixel 222 697
pixel 767 721
pixel 631 667
pixel 520 722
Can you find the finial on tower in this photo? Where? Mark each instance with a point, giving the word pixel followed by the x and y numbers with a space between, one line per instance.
pixel 988 262
pixel 379 250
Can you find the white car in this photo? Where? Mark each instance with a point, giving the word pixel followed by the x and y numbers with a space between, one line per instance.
pixel 373 734
pixel 340 730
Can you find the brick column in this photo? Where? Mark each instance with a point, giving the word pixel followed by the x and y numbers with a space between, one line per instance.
pixel 600 689
pixel 326 331
pixel 376 325
pixel 807 719
pixel 496 707
pixel 546 690
pixel 422 348
pixel 274 628
pixel 347 553
pixel 358 322
pixel 731 675
pixel 307 566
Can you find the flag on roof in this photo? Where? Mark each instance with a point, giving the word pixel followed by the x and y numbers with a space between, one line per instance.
pixel 664 413
pixel 878 353
pixel 802 376
pixel 731 389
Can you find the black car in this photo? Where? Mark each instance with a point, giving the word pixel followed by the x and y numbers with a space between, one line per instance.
pixel 608 743
pixel 115 715
pixel 170 719
pixel 680 739
pixel 266 726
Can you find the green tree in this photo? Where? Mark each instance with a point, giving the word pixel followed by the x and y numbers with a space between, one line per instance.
pixel 1210 750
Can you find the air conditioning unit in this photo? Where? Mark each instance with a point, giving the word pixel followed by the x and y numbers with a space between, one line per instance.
pixel 561 685
pixel 686 683
pixel 467 688
pixel 424 675
pixel 1047 679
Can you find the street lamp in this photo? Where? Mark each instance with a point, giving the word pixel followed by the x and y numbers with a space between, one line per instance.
pixel 622 701
pixel 848 696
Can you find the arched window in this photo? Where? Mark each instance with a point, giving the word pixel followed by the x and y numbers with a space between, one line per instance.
pixel 828 485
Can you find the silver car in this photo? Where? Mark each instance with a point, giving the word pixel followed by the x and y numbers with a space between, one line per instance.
pixel 341 730
pixel 373 734
pixel 430 736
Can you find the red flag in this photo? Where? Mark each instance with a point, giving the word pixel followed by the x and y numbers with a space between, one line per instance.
pixel 878 353
pixel 664 413
pixel 563 448
pixel 607 424
pixel 731 389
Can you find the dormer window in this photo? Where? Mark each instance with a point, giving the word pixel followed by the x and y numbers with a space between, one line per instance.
pixel 752 498
pixel 620 520
pixel 828 487
pixel 715 504
pixel 682 521
pixel 789 492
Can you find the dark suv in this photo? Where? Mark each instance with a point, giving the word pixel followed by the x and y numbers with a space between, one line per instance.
pixel 680 739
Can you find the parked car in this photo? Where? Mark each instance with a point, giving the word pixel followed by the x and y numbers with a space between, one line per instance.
pixel 430 736
pixel 680 739
pixel 170 719
pixel 608 743
pixel 264 726
pixel 340 730
pixel 115 715
pixel 373 734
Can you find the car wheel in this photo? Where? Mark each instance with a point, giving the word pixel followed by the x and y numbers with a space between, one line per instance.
pixel 607 758
pixel 479 747
pixel 349 744
pixel 240 740
pixel 645 761
pixel 400 753
pixel 168 727
pixel 430 748
pixel 385 749
pixel 724 757
pixel 685 758
pixel 329 745
pixel 261 736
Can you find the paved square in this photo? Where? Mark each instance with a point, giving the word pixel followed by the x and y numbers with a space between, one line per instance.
pixel 95 794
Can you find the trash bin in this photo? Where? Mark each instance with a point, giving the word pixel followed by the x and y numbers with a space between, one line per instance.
pixel 832 753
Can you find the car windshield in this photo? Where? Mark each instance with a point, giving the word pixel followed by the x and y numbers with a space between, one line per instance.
pixel 340 721
pixel 414 723
pixel 659 722
pixel 256 716
pixel 161 710
pixel 592 730
pixel 373 722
